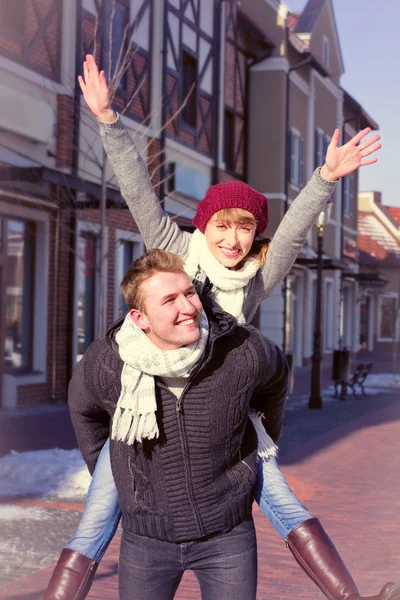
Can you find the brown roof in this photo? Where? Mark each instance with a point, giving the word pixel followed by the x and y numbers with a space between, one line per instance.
pixel 375 241
pixel 395 212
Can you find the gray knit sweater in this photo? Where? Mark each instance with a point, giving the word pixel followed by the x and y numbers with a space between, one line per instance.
pixel 159 231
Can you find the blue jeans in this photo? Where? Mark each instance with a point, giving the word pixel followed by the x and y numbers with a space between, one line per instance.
pixel 275 498
pixel 101 515
pixel 225 565
pixel 100 518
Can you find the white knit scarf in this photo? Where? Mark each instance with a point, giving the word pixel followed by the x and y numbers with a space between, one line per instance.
pixel 229 294
pixel 229 284
pixel 135 415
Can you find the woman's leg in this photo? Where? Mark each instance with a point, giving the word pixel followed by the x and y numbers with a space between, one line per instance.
pixel 305 537
pixel 100 518
pixel 76 567
pixel 275 498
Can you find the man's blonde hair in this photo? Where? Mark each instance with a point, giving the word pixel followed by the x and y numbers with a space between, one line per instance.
pixel 152 262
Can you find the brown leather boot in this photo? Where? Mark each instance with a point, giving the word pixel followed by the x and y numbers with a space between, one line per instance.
pixel 318 557
pixel 72 577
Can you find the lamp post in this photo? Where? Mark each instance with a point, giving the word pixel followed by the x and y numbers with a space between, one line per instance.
pixel 315 400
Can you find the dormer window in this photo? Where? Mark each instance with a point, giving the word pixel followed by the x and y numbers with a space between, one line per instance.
pixel 325 51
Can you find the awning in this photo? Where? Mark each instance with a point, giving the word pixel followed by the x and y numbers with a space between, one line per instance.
pixel 328 264
pixel 368 279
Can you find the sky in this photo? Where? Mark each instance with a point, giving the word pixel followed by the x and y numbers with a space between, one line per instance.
pixel 369 38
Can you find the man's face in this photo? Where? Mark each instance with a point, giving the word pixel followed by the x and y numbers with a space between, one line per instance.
pixel 172 310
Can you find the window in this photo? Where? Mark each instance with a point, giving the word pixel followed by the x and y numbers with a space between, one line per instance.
pixel 322 142
pixel 12 16
pixel 114 48
pixel 87 291
pixel 19 284
pixel 325 51
pixel 387 317
pixel 189 80
pixel 129 247
pixel 229 140
pixel 348 194
pixel 347 335
pixel 329 315
pixel 296 158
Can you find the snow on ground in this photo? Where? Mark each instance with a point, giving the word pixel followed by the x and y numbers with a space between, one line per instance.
pixel 55 473
pixel 10 512
pixel 383 380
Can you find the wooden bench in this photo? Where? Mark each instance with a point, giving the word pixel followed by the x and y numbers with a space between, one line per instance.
pixel 359 376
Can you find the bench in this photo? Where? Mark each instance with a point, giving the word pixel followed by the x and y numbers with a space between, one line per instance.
pixel 359 376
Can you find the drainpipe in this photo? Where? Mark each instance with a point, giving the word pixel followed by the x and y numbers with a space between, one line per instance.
pixel 75 168
pixel 163 135
pixel 342 184
pixel 217 88
pixel 53 397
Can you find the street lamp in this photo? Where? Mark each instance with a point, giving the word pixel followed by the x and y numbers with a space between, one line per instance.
pixel 315 400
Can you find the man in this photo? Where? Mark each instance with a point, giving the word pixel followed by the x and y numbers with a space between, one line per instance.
pixel 177 382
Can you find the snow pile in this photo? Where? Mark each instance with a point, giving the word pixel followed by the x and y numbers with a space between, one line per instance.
pixel 383 380
pixel 56 473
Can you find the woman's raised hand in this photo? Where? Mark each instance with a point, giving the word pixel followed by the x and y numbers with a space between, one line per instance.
pixel 343 160
pixel 95 90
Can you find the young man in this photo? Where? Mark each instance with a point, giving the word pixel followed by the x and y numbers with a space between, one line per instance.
pixel 177 381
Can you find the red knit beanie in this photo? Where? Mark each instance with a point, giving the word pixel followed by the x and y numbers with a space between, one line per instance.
pixel 234 194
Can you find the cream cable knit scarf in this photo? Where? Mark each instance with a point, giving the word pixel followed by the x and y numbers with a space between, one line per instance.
pixel 135 415
pixel 229 284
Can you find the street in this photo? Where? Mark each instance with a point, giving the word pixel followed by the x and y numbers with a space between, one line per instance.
pixel 342 461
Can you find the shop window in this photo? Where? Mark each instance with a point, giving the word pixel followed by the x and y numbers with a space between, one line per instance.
pixel 19 249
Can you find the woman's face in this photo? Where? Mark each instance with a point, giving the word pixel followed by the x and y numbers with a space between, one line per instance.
pixel 229 242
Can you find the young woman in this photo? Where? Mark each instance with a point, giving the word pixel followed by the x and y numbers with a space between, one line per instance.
pixel 225 259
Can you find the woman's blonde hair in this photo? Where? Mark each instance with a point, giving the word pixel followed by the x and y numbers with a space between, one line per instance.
pixel 230 216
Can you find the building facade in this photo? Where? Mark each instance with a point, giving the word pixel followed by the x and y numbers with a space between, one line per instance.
pixel 379 257
pixel 212 90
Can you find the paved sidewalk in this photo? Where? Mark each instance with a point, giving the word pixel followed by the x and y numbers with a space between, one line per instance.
pixel 345 466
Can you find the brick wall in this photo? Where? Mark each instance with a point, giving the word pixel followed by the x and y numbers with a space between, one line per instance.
pixel 37 46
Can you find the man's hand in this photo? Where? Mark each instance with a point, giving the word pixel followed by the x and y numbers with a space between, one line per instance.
pixel 343 160
pixel 95 91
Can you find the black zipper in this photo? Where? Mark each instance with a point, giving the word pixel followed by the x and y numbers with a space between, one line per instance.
pixel 184 450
